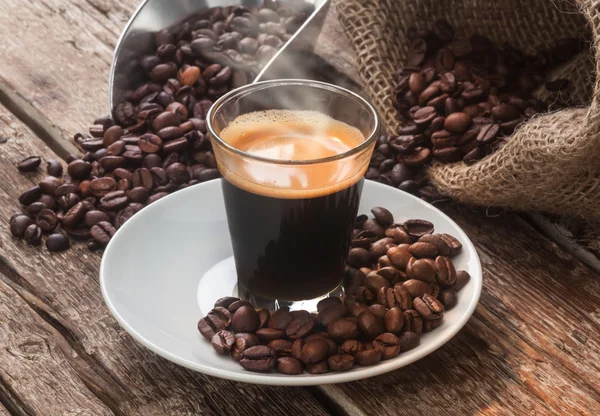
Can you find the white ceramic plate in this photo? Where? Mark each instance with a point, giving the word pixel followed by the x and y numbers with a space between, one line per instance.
pixel 154 280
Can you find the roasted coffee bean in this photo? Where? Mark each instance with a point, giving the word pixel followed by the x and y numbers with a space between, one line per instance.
pixel 399 235
pixel 282 347
pixel 280 319
pixel 457 122
pixel 402 296
pixel 93 217
pixel 57 242
pixel 79 169
pixel 74 215
pixel 388 344
pixel 356 308
pixel 102 232
pixel 429 307
pixel 370 325
pixel 373 226
pixel 111 135
pixel 368 357
pixel 138 194
pixel 383 216
pixel 33 235
pixel 423 249
pixel 264 315
pixel 300 327
pixel 417 287
pixel 216 320
pixel 358 257
pixel 374 281
pixel 408 341
pixel 418 228
pixel 224 302
pixel 267 335
pixel 324 303
pixel 289 366
pixel 413 322
pixel 448 298
pixel 223 341
pixel 341 362
pixel 150 143
pixel 54 168
pixel 19 224
pixel 47 220
pixel 421 269
pixel 453 243
pixel 394 320
pixel 462 278
pixel 243 341
pixel 351 347
pixel 234 306
pixel 314 350
pixel 434 239
pixel 50 184
pixel 331 313
pixel 343 329
pixel 318 368
pixel 245 319
pixel 445 274
pixel 30 196
pixel 29 164
pixel 114 201
pixel 35 208
pixel 259 358
pixel 101 186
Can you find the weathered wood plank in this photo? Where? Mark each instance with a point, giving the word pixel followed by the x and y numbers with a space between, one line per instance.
pixel 63 289
pixel 26 342
pixel 532 345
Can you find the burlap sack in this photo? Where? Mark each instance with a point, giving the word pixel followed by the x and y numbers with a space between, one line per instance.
pixel 551 163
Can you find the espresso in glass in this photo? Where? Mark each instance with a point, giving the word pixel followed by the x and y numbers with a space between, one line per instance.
pixel 292 181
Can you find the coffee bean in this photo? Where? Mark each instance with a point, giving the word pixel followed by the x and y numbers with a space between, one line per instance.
pixel 383 216
pixel 74 215
pixel 19 224
pixel 114 201
pixel 30 196
pixel 245 319
pixel 505 112
pixel 46 220
pixel 331 313
pixel 243 341
pixel 341 362
pixel 358 257
pixel 368 357
pixel 448 298
pixel 453 243
pixel 343 329
pixel 423 249
pixel 424 116
pixel 428 307
pixel 394 320
pixel 57 242
pixel 93 217
pixel 418 228
pixel 29 164
pixel 289 366
pixel 417 287
pixel 33 235
pixel 79 169
pixel 280 319
pixel 421 269
pixel 462 278
pixel 388 344
pixel 35 208
pixel 370 325
pixel 259 358
pixel 434 239
pixel 300 327
pixel 445 274
pixel 408 341
pixel 223 341
pixel 324 303
pixel 488 133
pixel 318 368
pixel 102 232
pixel 315 350
pixel 457 122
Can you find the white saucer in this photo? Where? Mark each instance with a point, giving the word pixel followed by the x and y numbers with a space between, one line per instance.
pixel 152 280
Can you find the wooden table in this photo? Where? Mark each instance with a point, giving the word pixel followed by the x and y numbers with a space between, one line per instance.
pixel 532 346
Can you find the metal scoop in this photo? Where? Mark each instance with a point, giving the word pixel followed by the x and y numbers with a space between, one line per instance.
pixel 137 40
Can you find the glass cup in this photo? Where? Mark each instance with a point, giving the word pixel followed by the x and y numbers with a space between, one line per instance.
pixel 290 221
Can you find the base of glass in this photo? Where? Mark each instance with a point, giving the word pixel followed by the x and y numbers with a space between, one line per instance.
pixel 309 305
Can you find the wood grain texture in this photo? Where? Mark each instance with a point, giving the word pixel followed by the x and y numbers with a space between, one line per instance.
pixel 63 289
pixel 27 341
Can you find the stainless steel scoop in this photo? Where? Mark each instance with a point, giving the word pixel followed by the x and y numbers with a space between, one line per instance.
pixel 137 40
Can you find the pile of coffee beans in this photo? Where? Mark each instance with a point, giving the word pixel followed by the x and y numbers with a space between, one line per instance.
pixel 399 281
pixel 156 143
pixel 458 99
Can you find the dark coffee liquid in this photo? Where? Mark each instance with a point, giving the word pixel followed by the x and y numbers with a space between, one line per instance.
pixel 290 223
pixel 290 249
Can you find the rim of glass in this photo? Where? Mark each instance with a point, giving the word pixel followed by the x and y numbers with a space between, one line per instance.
pixel 257 86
